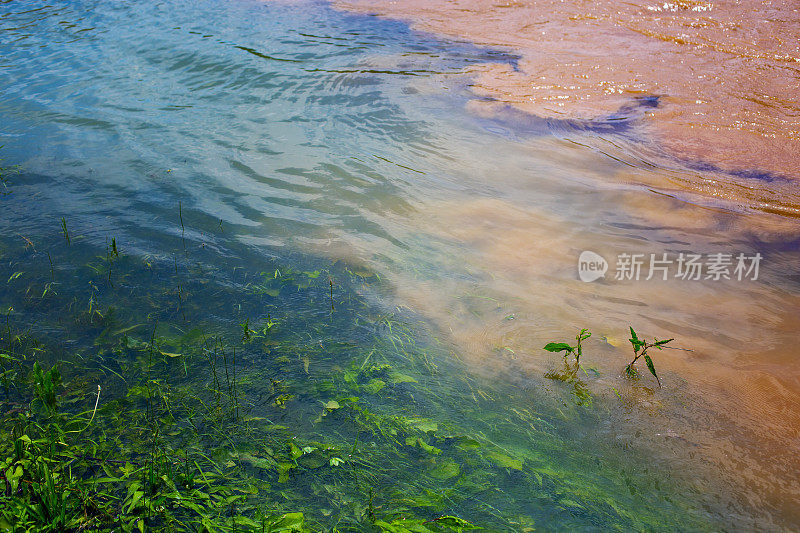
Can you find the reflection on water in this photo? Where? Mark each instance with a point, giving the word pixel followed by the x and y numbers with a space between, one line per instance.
pixel 293 128
pixel 722 77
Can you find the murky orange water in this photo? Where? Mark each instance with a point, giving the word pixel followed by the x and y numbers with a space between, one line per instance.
pixel 726 73
pixel 716 170
pixel 495 269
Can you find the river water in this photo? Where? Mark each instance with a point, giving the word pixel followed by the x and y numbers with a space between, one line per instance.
pixel 301 129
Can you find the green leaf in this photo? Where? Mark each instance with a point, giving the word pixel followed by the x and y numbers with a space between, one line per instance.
pixel 423 424
pixel 134 499
pixel 504 461
pixel 283 472
pixel 294 450
pixel 127 470
pixel 446 469
pixel 313 459
pixel 288 522
pixel 465 442
pixel 433 450
pixel 634 340
pixel 455 523
pixel 416 441
pixel 249 523
pixel 396 377
pixel 652 368
pixel 661 343
pixel 374 386
pixel 557 347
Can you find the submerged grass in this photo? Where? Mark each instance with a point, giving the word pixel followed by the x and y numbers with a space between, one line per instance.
pixel 235 400
pixel 5 173
pixel 169 447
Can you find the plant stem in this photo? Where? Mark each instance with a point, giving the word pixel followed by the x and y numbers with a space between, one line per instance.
pixel 52 271
pixel 64 229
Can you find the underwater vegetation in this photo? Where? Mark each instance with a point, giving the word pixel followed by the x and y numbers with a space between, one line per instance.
pixel 170 439
pixel 5 172
pixel 179 392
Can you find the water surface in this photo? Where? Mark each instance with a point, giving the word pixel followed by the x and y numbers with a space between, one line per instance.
pixel 292 133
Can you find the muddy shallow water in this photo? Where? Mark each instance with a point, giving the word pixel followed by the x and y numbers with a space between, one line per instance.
pixel 710 89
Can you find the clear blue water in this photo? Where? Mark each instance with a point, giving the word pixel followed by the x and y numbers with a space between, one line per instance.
pixel 269 117
pixel 292 133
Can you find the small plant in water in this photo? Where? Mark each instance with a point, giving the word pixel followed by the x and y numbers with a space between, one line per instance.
pixel 569 374
pixel 568 348
pixel 246 331
pixel 64 230
pixel 640 347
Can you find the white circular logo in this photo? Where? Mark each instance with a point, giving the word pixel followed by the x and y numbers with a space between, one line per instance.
pixel 591 266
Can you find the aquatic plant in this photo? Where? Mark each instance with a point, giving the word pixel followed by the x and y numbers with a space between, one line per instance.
pixel 640 347
pixel 569 374
pixel 250 407
pixel 64 230
pixel 576 350
pixel 177 447
pixel 55 478
pixel 4 173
